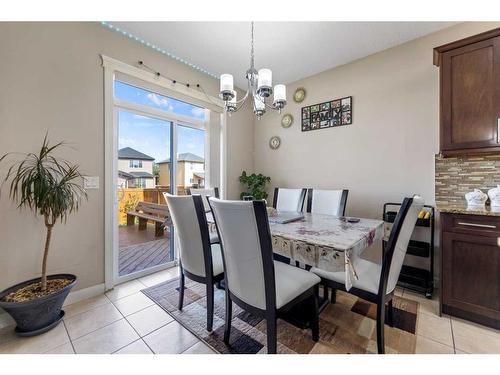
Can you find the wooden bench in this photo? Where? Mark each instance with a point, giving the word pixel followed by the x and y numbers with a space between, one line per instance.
pixel 149 211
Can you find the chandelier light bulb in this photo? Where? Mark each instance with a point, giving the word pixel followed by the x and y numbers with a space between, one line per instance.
pixel 226 87
pixel 265 82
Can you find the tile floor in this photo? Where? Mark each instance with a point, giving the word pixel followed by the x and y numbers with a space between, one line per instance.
pixel 124 321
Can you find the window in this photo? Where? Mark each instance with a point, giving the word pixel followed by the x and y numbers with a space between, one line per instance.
pixel 135 164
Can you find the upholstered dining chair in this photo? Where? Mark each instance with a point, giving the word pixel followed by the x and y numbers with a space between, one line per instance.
pixel 200 260
pixel 289 199
pixel 205 193
pixel 254 281
pixel 327 202
pixel 376 283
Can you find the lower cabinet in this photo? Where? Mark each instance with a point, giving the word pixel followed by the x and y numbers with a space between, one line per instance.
pixel 471 268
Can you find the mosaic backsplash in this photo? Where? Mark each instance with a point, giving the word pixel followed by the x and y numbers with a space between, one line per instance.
pixel 459 175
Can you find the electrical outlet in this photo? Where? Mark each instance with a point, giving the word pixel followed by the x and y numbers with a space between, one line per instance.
pixel 90 182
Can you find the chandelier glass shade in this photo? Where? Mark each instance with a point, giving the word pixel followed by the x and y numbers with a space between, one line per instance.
pixel 260 88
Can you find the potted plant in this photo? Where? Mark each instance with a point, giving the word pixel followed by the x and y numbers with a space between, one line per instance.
pixel 255 185
pixel 50 188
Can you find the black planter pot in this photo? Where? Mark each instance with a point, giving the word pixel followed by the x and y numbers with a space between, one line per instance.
pixel 39 315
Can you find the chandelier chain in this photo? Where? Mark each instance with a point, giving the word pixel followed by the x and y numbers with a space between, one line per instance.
pixel 252 56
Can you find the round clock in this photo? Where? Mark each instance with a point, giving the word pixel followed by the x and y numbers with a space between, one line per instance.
pixel 274 142
pixel 287 120
pixel 299 95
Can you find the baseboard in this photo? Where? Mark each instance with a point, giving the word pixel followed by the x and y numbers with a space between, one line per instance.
pixel 76 296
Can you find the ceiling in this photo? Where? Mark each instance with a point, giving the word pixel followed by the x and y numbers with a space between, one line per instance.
pixel 293 50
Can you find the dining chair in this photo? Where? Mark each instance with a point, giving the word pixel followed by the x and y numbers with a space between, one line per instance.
pixel 200 260
pixel 376 283
pixel 205 193
pixel 254 281
pixel 327 202
pixel 289 199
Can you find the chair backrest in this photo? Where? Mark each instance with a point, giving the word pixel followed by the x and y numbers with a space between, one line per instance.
pixel 190 225
pixel 289 199
pixel 327 202
pixel 245 236
pixel 396 247
pixel 205 193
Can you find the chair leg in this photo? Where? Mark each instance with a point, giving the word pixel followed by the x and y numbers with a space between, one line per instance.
pixel 390 313
pixel 334 295
pixel 315 315
pixel 229 317
pixel 181 290
pixel 325 291
pixel 210 306
pixel 380 327
pixel 272 335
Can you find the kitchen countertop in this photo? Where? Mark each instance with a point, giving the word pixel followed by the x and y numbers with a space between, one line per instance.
pixel 459 208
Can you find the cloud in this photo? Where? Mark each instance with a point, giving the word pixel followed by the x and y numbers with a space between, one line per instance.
pixel 159 101
pixel 190 146
pixel 198 112
pixel 127 142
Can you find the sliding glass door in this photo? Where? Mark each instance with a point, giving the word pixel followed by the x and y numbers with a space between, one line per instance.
pixel 161 149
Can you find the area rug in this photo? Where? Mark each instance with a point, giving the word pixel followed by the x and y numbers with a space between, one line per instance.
pixel 348 326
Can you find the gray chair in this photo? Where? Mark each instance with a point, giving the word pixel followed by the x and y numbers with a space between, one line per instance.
pixel 375 282
pixel 200 260
pixel 205 193
pixel 254 281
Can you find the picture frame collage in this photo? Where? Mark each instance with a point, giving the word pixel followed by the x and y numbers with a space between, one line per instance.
pixel 329 114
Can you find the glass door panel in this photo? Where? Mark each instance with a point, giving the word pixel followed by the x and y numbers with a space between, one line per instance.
pixel 190 159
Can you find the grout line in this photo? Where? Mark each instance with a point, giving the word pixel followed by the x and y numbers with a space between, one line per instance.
pixel 69 337
pixel 130 343
pixel 453 336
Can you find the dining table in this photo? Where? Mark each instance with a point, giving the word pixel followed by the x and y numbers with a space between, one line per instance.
pixel 327 242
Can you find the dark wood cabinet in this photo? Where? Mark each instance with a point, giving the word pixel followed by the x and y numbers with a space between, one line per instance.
pixel 470 94
pixel 471 268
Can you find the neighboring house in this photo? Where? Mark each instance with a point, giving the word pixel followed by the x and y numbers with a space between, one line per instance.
pixel 190 171
pixel 135 169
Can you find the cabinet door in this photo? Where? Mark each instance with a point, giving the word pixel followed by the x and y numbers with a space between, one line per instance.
pixel 471 274
pixel 470 96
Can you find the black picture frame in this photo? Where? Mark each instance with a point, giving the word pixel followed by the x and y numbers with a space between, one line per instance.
pixel 330 114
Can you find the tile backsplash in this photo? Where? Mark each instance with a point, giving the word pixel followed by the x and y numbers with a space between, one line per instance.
pixel 458 175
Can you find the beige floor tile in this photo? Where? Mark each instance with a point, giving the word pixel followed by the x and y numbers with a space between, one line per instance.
pixel 476 342
pixel 85 305
pixel 435 328
pixel 160 277
pixel 107 339
pixel 92 320
pixel 426 306
pixel 36 344
pixel 170 339
pixel 149 319
pixel 427 346
pixel 199 348
pixel 131 304
pixel 464 327
pixel 62 349
pixel 137 347
pixel 124 290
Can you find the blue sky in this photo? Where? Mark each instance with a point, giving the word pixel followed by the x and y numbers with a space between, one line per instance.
pixel 150 135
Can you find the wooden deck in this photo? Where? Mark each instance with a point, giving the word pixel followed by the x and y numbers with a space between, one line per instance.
pixel 139 250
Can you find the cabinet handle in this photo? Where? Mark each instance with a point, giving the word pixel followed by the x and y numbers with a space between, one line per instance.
pixel 498 130
pixel 477 225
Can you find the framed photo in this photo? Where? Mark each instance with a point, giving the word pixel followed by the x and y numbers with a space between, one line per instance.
pixel 337 112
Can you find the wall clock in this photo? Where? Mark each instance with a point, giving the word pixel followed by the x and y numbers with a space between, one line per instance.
pixel 287 120
pixel 274 142
pixel 299 95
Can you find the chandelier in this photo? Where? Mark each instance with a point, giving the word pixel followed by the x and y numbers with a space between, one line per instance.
pixel 259 86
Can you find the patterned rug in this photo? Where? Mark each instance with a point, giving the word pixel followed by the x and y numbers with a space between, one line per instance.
pixel 348 326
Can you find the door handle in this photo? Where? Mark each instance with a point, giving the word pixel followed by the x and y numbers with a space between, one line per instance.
pixel 477 225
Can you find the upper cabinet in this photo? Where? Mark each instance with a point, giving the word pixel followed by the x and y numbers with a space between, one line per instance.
pixel 470 94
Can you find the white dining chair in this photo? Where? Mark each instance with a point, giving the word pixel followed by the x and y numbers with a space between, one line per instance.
pixel 205 193
pixel 200 260
pixel 376 283
pixel 289 199
pixel 254 281
pixel 327 202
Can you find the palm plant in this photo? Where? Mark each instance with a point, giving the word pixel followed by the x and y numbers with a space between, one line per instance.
pixel 47 186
